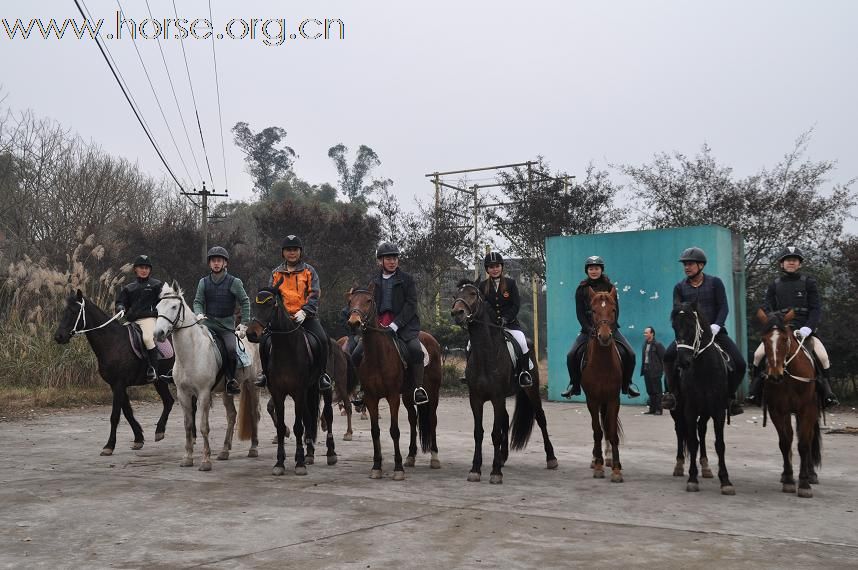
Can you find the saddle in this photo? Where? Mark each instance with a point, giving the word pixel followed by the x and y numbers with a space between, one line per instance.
pixel 135 336
pixel 402 351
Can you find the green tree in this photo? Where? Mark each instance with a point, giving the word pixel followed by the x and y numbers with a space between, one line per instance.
pixel 267 161
pixel 353 179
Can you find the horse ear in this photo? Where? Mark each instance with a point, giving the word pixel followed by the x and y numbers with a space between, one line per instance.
pixel 762 318
pixel 79 295
pixel 789 317
pixel 371 288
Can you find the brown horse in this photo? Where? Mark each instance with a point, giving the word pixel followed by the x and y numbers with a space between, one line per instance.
pixel 790 388
pixel 383 376
pixel 490 378
pixel 602 379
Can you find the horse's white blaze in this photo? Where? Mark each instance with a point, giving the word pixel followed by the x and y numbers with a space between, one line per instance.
pixel 774 341
pixel 603 304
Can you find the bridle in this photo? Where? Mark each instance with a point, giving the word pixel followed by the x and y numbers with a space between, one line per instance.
pixel 698 338
pixel 266 327
pixel 798 348
pixel 472 314
pixel 596 324
pixel 364 316
pixel 81 318
pixel 180 314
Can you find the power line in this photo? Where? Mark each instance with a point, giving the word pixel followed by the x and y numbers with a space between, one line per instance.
pixel 176 99
pixel 155 94
pixel 194 98
pixel 128 98
pixel 219 113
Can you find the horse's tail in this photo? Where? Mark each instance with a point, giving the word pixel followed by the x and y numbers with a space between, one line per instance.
pixel 522 420
pixel 248 410
pixel 816 445
pixel 424 426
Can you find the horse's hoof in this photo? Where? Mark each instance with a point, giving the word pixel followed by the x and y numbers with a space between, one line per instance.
pixel 278 470
pixel 410 461
pixel 206 466
pixel 728 490
pixel 692 487
pixel 252 452
pixel 332 460
pixel 805 493
pixel 399 475
pixel 551 464
pixel 300 470
pixel 106 451
pixel 598 473
pixel 375 474
pixel 813 479
pixel 159 435
pixel 473 477
pixel 788 488
pixel 496 479
pixel 706 473
pixel 186 463
pixel 137 445
pixel 223 455
pixel 678 471
pixel 309 460
pixel 347 437
pixel 435 464
pixel 616 477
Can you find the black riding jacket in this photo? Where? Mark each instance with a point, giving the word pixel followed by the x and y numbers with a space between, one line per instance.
pixel 582 301
pixel 504 304
pixel 139 298
pixel 798 292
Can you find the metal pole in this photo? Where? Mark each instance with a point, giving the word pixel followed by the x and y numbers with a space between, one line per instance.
pixel 204 220
pixel 533 281
pixel 475 188
pixel 437 224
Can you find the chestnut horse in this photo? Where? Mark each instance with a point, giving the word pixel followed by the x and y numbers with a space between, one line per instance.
pixel 383 376
pixel 601 380
pixel 490 378
pixel 790 388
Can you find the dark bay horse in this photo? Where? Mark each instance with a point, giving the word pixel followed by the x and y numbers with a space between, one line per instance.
pixel 382 375
pixel 290 372
pixel 790 388
pixel 703 389
pixel 489 372
pixel 117 364
pixel 601 380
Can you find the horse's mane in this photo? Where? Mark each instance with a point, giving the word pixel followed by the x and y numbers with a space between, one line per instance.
pixel 463 282
pixel 774 320
pixel 688 307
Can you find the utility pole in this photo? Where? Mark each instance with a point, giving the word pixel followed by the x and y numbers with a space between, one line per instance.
pixel 204 218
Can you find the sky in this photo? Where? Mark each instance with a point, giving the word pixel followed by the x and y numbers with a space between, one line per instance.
pixel 451 85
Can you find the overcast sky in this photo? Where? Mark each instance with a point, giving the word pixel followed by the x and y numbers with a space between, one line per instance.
pixel 446 85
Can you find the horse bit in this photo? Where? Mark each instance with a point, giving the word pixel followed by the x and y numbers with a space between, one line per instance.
pixel 698 335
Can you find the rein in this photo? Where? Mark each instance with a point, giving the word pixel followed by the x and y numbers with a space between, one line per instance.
pixel 266 327
pixel 81 316
pixel 364 317
pixel 180 314
pixel 799 347
pixel 698 336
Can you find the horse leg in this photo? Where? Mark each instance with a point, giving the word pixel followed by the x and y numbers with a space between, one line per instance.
pixel 720 447
pixel 278 413
pixel 705 471
pixel 598 462
pixel 498 432
pixel 349 433
pixel 678 427
pixel 328 415
pixel 132 421
pixel 229 405
pixel 116 410
pixel 205 404
pixel 613 416
pixel 411 410
pixel 691 430
pixel 805 437
pixel 298 430
pixel 536 402
pixel 186 401
pixel 783 425
pixel 372 406
pixel 476 465
pixel 168 401
pixel 398 469
pixel 434 462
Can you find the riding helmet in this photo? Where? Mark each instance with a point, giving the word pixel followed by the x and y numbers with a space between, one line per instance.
pixel 492 258
pixel 594 260
pixel 292 241
pixel 693 254
pixel 218 251
pixel 386 248
pixel 143 260
pixel 790 251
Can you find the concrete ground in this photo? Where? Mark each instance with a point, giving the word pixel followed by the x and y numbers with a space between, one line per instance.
pixel 65 506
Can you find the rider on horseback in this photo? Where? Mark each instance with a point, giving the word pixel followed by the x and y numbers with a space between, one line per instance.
pixel 501 293
pixel 797 291
pixel 594 267
pixel 709 294
pixel 139 300
pixel 298 284
pixel 217 294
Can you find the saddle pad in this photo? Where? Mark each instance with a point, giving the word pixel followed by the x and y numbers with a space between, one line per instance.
pixel 135 337
pixel 402 349
pixel 244 360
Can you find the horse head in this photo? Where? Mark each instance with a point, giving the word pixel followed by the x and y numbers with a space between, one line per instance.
pixel 362 310
pixel 690 329
pixel 468 303
pixel 73 318
pixel 266 306
pixel 172 311
pixel 776 338
pixel 603 308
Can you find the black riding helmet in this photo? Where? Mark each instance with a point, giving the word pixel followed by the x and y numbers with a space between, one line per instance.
pixel 790 251
pixel 386 248
pixel 143 260
pixel 217 251
pixel 594 260
pixel 492 258
pixel 292 241
pixel 693 254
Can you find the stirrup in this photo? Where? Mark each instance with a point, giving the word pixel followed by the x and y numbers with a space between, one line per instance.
pixel 420 396
pixel 525 380
pixel 571 390
pixel 632 391
pixel 830 402
pixel 261 380
pixel 167 377
pixel 231 387
pixel 668 401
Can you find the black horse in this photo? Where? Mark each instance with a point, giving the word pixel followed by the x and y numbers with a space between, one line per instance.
pixel 117 363
pixel 703 388
pixel 489 373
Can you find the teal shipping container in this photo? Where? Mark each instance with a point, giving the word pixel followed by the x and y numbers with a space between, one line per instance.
pixel 644 267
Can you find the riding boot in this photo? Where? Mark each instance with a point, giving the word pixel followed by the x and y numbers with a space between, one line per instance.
pixel 262 376
pixel 152 358
pixel 525 380
pixel 420 395
pixel 755 390
pixel 823 382
pixel 573 389
pixel 735 407
pixel 326 383
pixel 229 382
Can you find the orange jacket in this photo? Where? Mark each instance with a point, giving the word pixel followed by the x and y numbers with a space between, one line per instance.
pixel 299 287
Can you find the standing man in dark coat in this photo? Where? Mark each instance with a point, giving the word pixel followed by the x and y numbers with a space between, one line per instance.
pixel 652 369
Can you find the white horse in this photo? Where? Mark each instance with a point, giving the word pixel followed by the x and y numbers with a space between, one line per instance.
pixel 196 376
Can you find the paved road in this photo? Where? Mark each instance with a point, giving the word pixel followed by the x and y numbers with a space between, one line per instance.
pixel 65 506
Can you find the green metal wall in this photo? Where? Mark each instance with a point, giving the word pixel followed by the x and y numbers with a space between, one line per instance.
pixel 643 265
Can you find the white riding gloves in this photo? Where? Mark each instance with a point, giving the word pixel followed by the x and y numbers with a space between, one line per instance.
pixel 299 316
pixel 393 327
pixel 200 317
pixel 715 329
pixel 805 332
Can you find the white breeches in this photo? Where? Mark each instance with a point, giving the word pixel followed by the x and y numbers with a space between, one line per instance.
pixel 815 345
pixel 147 327
pixel 519 338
